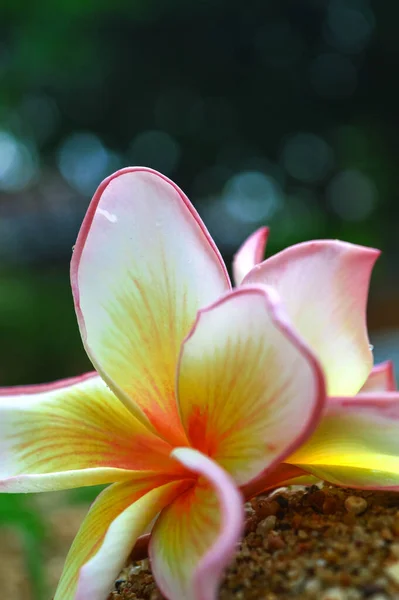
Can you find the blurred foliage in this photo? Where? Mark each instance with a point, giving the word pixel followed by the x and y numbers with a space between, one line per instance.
pixel 16 510
pixel 85 495
pixel 38 327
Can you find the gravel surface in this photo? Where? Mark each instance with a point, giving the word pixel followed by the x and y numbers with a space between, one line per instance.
pixel 317 544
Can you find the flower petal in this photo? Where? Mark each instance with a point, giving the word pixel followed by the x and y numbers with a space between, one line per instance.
pixel 250 254
pixel 72 433
pixel 282 476
pixel 324 286
pixel 356 443
pixel 116 519
pixel 143 265
pixel 249 390
pixel 381 379
pixel 194 538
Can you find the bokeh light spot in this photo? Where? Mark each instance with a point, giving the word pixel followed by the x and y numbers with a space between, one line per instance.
pixel 349 28
pixel 18 163
pixel 83 161
pixel 307 157
pixel 252 196
pixel 352 195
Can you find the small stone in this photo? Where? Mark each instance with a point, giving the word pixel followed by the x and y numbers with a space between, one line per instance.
pixel 250 525
pixel 265 508
pixel 135 569
pixel 254 541
pixel 266 525
pixel 329 506
pixel 333 594
pixel 359 534
pixel 249 511
pixel 393 572
pixel 355 505
pixel 275 542
pixel 386 533
pixel 316 500
pixel 296 521
pixel 302 534
pixel 353 594
pixel 312 587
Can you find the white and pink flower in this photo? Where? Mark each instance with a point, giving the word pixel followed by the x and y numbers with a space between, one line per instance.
pixel 203 394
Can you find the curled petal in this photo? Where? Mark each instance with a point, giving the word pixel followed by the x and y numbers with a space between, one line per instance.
pixel 143 265
pixel 381 379
pixel 249 389
pixel 118 516
pixel 282 476
pixel 250 254
pixel 72 433
pixel 195 537
pixel 324 286
pixel 356 443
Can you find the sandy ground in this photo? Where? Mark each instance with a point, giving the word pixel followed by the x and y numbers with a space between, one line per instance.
pixel 329 544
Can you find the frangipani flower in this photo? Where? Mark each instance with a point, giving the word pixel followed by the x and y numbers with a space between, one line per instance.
pixel 198 391
pixel 324 287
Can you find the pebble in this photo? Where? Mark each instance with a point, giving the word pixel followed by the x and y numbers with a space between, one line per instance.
pixel 353 594
pixel 333 594
pixel 393 572
pixel 317 499
pixel 265 508
pixel 302 534
pixel 266 525
pixel 355 505
pixel 329 506
pixel 313 587
pixel 275 542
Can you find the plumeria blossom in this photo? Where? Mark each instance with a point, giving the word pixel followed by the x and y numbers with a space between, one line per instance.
pixel 324 287
pixel 199 392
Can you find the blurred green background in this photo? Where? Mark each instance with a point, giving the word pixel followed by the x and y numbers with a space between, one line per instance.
pixel 280 113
